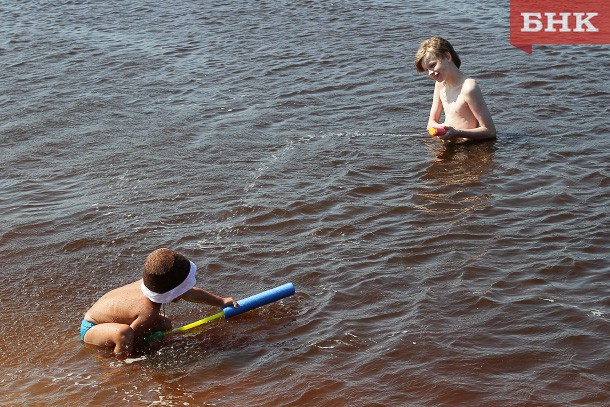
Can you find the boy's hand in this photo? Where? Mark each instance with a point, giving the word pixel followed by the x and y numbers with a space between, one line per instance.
pixel 229 302
pixel 450 134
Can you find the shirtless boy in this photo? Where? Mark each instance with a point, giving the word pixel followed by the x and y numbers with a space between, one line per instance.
pixel 466 115
pixel 126 314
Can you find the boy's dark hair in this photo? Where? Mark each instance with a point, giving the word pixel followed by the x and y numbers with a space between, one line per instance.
pixel 437 46
pixel 164 270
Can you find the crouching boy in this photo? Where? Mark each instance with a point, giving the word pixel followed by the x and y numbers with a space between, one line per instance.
pixel 126 314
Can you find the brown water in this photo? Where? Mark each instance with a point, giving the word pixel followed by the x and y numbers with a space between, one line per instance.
pixel 283 141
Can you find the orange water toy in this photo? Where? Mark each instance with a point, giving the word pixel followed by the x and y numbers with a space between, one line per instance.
pixel 437 131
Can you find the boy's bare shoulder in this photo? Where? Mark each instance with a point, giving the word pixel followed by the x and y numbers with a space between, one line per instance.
pixel 126 291
pixel 469 85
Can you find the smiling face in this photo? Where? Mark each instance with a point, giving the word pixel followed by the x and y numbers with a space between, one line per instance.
pixel 436 65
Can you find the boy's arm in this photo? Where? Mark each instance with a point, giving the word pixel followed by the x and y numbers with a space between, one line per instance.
pixel 198 295
pixel 148 322
pixel 437 107
pixel 476 103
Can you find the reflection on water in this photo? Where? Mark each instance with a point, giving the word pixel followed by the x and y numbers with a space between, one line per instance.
pixel 458 163
pixel 454 179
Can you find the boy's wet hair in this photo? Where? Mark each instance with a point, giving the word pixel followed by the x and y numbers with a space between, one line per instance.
pixel 164 270
pixel 437 46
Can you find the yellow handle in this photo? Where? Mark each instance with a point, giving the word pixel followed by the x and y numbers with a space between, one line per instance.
pixel 195 324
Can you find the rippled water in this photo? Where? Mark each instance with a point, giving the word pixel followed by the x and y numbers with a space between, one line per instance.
pixel 284 141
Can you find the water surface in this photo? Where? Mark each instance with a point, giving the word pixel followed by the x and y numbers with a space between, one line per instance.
pixel 284 141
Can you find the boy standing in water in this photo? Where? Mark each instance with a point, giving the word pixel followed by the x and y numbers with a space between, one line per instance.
pixel 466 115
pixel 126 314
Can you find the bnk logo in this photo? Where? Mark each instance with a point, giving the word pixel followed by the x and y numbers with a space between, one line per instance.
pixel 532 22
pixel 559 22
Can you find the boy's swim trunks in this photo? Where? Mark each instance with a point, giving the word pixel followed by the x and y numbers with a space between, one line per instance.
pixel 84 327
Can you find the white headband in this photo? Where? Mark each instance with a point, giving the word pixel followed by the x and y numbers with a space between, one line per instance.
pixel 169 296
